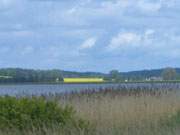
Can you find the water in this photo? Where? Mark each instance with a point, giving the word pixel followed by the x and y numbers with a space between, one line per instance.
pixel 38 89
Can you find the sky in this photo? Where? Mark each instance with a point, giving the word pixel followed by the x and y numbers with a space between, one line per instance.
pixel 90 35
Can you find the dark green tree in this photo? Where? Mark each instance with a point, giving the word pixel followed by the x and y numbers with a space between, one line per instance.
pixel 115 75
pixel 169 74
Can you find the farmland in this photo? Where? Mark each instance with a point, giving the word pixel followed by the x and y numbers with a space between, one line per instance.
pixel 83 80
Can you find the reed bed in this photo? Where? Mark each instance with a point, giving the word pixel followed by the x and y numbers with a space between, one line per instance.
pixel 127 111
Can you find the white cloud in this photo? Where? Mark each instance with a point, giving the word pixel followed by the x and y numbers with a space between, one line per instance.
pixel 148 36
pixel 149 32
pixel 124 39
pixel 27 50
pixel 83 13
pixel 89 43
pixel 132 39
pixel 116 7
pixel 4 50
pixel 23 33
pixel 169 3
pixel 4 4
pixel 18 33
pixel 149 6
pixel 151 43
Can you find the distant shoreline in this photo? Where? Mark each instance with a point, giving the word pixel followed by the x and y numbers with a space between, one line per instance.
pixel 55 83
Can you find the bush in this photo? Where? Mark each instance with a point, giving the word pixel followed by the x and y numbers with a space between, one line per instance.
pixel 26 113
pixel 175 119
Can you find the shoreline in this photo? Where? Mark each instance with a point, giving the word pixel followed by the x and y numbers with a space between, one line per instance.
pixel 54 83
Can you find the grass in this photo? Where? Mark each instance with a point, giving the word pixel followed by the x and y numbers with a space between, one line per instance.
pixel 116 112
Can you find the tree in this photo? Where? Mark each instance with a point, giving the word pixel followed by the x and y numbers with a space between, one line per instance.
pixel 169 74
pixel 115 75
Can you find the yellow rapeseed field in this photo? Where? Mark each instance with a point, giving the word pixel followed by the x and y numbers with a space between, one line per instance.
pixel 83 80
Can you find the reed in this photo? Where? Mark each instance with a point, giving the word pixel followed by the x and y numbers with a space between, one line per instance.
pixel 132 112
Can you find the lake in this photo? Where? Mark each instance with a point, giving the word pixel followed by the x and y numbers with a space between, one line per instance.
pixel 38 89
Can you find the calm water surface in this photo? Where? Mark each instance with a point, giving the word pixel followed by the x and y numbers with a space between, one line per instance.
pixel 38 89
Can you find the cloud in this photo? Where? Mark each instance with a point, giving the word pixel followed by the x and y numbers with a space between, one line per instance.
pixel 5 3
pixel 114 7
pixel 150 43
pixel 128 5
pixel 124 39
pixel 23 33
pixel 27 50
pixel 149 6
pixel 4 50
pixel 89 43
pixel 149 32
pixel 90 13
pixel 128 28
pixel 132 39
pixel 18 34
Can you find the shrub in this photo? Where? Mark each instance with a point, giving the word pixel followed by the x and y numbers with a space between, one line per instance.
pixel 175 119
pixel 26 113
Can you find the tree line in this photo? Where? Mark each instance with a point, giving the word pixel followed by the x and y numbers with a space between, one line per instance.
pixel 165 74
pixel 18 75
pixel 23 75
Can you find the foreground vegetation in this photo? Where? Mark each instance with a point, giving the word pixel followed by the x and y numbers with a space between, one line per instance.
pixel 105 112
pixel 19 115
